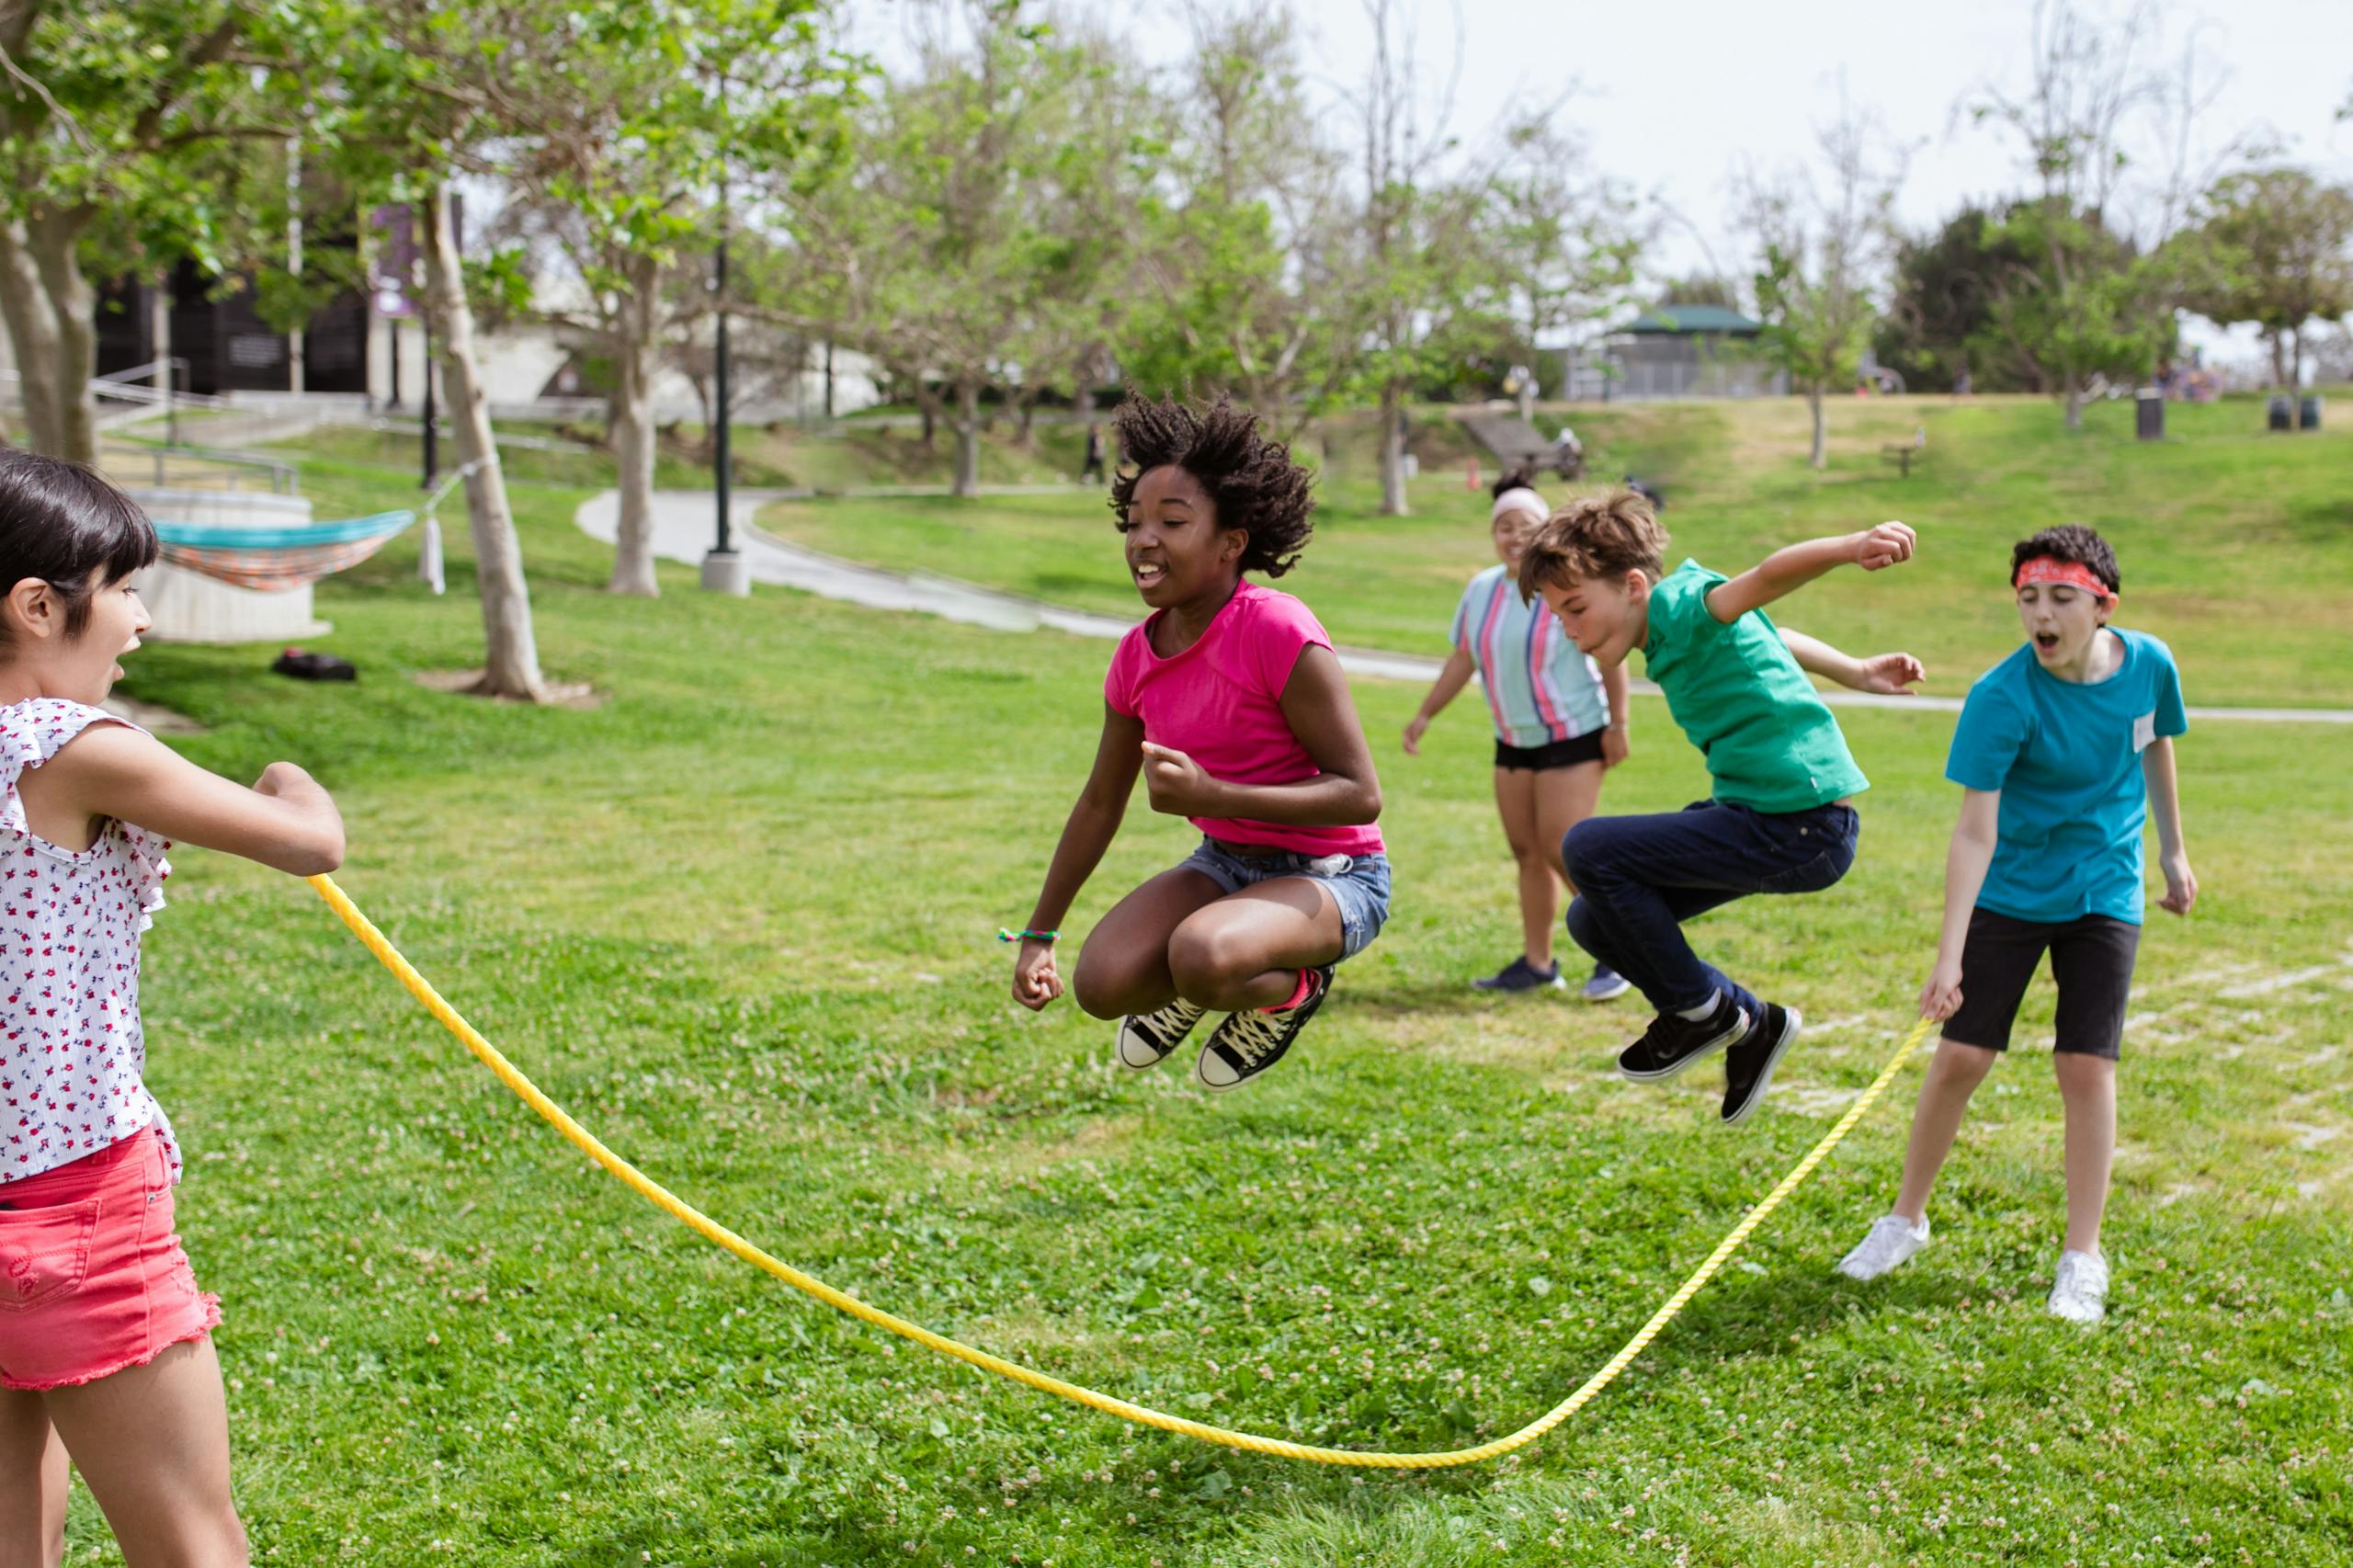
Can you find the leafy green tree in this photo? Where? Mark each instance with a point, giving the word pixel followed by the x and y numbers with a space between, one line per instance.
pixel 619 124
pixel 398 104
pixel 1233 291
pixel 1941 303
pixel 2280 244
pixel 118 118
pixel 976 224
pixel 1697 288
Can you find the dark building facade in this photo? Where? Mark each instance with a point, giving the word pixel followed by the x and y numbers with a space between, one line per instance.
pixel 227 346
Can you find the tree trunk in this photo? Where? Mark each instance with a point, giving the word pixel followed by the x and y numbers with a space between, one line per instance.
pixel 159 344
pixel 928 405
pixel 51 310
pixel 512 661
pixel 634 437
pixel 1393 454
pixel 1814 404
pixel 2075 403
pixel 1024 429
pixel 74 305
pixel 1082 387
pixel 2278 358
pixel 968 438
pixel 2296 361
pixel 32 336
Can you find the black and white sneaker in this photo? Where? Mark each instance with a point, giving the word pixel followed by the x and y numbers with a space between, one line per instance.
pixel 1673 1041
pixel 1749 1063
pixel 1522 975
pixel 1146 1039
pixel 1246 1044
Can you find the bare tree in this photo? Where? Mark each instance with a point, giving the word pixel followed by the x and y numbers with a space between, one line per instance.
pixel 1418 267
pixel 2086 302
pixel 1822 249
pixel 1566 234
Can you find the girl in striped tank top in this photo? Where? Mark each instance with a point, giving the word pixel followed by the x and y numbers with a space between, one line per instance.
pixel 1560 723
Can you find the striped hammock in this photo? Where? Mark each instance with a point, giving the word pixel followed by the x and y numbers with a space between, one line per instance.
pixel 274 560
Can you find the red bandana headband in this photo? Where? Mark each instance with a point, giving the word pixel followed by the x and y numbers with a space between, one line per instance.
pixel 2073 574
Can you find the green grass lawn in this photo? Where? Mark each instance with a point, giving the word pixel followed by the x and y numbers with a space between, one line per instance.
pixel 737 918
pixel 2233 542
pixel 778 457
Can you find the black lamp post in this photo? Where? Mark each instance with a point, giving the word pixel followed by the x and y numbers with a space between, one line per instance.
pixel 722 464
pixel 725 570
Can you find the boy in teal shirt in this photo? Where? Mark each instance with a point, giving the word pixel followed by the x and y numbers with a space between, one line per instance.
pixel 2062 750
pixel 1781 820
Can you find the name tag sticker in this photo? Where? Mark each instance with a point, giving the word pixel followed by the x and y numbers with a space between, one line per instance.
pixel 2144 731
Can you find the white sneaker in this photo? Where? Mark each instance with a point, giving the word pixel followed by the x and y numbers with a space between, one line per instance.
pixel 1893 1239
pixel 2080 1293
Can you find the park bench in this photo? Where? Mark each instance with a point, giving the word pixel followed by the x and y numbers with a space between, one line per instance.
pixel 1903 453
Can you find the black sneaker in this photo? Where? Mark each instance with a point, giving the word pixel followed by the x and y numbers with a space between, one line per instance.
pixel 1522 975
pixel 1246 1044
pixel 1673 1041
pixel 1146 1039
pixel 1748 1064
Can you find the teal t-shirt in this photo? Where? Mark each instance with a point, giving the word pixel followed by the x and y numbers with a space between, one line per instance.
pixel 2066 758
pixel 1737 691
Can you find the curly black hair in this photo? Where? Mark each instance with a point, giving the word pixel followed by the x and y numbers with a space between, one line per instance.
pixel 1251 479
pixel 2070 541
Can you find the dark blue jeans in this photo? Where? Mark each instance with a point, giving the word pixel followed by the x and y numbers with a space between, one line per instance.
pixel 1638 879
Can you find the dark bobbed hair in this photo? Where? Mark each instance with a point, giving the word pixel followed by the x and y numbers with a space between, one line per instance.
pixel 1250 477
pixel 2070 541
pixel 72 530
pixel 1520 476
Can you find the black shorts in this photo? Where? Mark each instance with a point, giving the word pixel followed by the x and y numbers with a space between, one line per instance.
pixel 2091 960
pixel 1554 753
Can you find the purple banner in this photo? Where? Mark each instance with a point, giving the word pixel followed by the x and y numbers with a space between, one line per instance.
pixel 391 268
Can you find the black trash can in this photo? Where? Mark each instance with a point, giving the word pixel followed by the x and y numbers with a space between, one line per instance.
pixel 2149 415
pixel 2283 414
pixel 2308 412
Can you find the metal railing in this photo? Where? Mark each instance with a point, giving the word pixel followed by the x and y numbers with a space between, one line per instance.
pixel 167 465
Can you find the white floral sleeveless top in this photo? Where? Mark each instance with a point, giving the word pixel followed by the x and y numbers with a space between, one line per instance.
pixel 72 1050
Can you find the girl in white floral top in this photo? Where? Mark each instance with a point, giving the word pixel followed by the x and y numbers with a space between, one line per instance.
pixel 104 1347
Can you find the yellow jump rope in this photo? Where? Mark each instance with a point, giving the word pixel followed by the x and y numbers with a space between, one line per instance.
pixel 694 1219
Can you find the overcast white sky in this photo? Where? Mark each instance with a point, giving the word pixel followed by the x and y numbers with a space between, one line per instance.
pixel 1674 94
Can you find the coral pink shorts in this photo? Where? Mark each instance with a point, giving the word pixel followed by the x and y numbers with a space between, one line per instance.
pixel 92 1279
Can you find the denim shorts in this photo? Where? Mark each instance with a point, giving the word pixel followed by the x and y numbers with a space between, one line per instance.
pixel 1361 889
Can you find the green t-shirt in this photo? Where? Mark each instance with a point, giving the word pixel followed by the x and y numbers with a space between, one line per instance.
pixel 1738 693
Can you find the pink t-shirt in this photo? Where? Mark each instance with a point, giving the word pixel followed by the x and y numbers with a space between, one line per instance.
pixel 1220 702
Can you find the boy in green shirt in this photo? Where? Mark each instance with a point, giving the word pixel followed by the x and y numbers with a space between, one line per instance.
pixel 1780 819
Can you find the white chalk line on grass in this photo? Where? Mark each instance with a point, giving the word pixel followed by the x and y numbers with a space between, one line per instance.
pixel 685 524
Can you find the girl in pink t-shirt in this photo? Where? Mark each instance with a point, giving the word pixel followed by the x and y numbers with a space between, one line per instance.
pixel 1230 703
pixel 105 1347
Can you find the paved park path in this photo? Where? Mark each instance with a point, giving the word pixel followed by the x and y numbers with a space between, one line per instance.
pixel 685 522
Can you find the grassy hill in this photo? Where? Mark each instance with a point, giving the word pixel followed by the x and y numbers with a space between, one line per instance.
pixel 2236 545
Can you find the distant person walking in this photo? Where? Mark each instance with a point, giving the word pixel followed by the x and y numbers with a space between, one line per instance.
pixel 1093 466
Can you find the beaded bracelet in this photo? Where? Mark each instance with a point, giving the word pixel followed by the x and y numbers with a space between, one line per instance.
pixel 1005 936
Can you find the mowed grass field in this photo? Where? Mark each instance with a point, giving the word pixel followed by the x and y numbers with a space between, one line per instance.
pixel 2235 542
pixel 738 918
